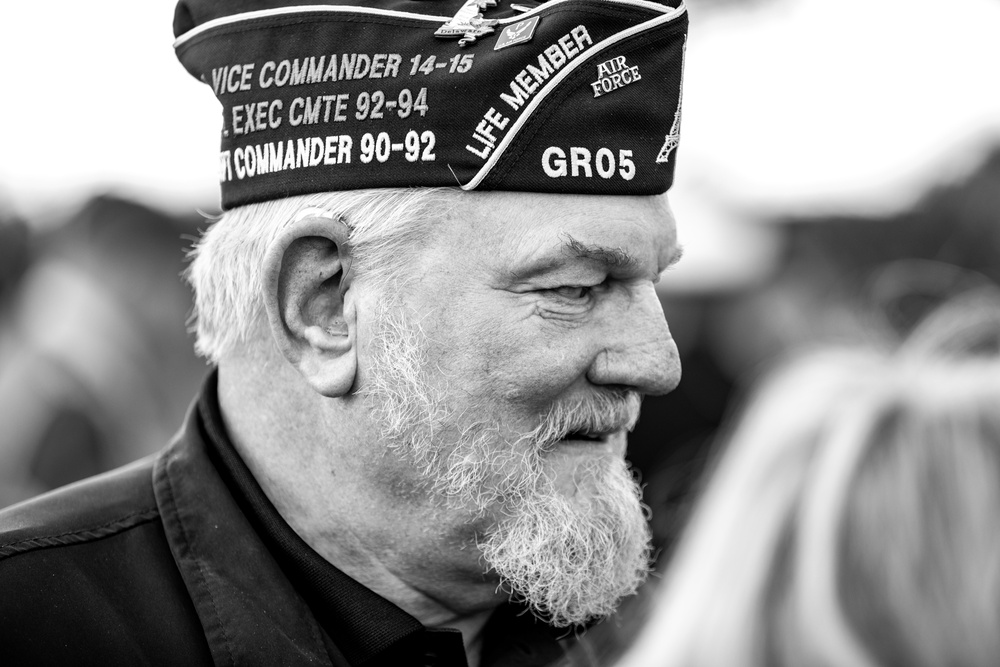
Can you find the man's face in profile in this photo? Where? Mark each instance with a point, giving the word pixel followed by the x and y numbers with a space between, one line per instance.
pixel 506 374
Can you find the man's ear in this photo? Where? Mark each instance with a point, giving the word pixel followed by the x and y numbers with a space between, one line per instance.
pixel 309 307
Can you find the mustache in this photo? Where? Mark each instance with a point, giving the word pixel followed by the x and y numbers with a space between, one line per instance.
pixel 597 414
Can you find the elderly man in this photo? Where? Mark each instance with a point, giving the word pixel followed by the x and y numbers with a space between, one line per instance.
pixel 416 430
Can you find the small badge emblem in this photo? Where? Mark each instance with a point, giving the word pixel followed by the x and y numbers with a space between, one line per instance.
pixel 673 137
pixel 468 23
pixel 614 74
pixel 516 33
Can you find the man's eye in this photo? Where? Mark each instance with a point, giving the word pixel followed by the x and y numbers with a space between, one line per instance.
pixel 572 292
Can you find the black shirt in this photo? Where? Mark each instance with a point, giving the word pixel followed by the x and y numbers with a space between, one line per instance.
pixel 359 626
pixel 179 559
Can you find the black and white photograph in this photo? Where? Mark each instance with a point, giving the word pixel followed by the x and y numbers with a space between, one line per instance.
pixel 500 333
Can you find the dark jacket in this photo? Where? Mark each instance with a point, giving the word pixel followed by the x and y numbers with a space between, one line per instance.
pixel 163 562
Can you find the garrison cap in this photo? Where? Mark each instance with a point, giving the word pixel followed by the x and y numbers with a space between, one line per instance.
pixel 565 96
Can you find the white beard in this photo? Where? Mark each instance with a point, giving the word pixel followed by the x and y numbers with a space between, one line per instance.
pixel 571 559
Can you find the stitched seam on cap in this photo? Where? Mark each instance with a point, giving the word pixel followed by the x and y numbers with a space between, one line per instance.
pixel 551 104
pixel 284 20
pixel 251 25
pixel 537 11
pixel 526 114
pixel 543 100
pixel 80 536
pixel 298 10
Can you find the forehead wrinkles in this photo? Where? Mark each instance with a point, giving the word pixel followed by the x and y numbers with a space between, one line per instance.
pixel 487 224
pixel 498 231
pixel 598 220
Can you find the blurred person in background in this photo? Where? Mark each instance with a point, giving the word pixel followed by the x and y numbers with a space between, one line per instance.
pixel 96 364
pixel 839 280
pixel 415 433
pixel 834 279
pixel 15 256
pixel 850 520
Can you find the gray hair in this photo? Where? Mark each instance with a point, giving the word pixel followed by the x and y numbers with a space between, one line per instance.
pixel 226 270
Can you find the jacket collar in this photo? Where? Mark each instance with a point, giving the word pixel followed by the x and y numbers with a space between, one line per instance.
pixel 250 611
pixel 364 626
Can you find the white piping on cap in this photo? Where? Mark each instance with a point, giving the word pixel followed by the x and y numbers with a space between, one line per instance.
pixel 645 4
pixel 280 11
pixel 336 9
pixel 556 80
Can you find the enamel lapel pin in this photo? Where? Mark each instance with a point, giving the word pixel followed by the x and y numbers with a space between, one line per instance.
pixel 468 23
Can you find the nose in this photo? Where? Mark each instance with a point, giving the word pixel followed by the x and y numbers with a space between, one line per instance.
pixel 639 352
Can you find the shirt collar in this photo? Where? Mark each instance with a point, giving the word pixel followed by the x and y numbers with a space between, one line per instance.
pixel 242 602
pixel 361 623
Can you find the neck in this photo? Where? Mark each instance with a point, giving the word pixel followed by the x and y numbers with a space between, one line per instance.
pixel 336 487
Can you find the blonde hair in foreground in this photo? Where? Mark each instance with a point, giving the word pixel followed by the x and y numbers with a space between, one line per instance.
pixel 854 519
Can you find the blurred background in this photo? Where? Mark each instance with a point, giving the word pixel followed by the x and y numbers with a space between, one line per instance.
pixel 839 174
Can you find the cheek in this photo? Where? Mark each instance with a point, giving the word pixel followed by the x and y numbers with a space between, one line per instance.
pixel 495 350
pixel 393 477
pixel 525 364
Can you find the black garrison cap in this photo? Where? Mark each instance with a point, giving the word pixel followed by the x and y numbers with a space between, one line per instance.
pixel 568 96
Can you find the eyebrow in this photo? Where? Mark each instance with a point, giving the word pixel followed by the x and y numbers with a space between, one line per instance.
pixel 614 257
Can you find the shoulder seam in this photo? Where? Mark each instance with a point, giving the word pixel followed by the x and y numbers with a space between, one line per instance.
pixel 80 536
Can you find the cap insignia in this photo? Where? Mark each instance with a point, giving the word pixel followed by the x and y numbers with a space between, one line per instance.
pixel 468 23
pixel 518 33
